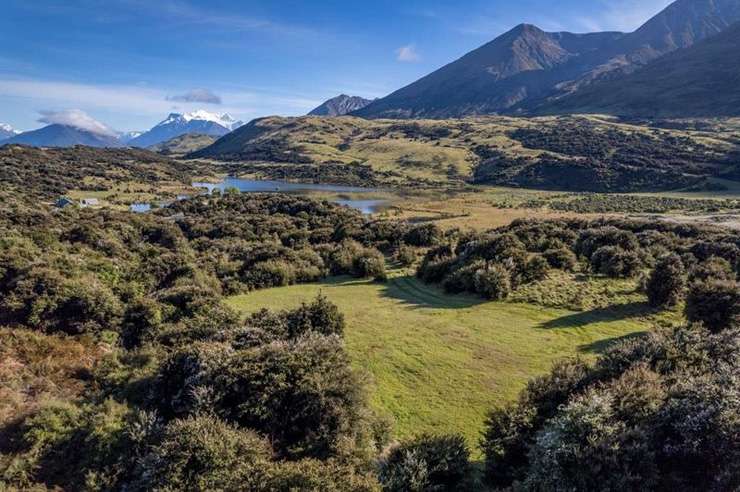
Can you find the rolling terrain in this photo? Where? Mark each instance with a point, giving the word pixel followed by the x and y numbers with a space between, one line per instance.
pixel 480 351
pixel 574 153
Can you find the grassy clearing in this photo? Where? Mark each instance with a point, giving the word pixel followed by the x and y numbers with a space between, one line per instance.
pixel 438 363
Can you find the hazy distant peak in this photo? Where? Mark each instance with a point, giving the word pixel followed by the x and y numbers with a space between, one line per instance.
pixel 340 106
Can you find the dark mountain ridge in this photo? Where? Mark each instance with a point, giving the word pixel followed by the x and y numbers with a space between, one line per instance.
pixel 340 106
pixel 526 67
pixel 699 81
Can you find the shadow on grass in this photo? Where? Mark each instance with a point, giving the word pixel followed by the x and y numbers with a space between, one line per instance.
pixel 617 312
pixel 416 293
pixel 600 346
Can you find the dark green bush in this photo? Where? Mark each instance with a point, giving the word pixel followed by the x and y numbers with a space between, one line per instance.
pixel 426 463
pixel 561 259
pixel 493 282
pixel 204 453
pixel 615 262
pixel 424 236
pixel 536 269
pixel 715 303
pixel 667 282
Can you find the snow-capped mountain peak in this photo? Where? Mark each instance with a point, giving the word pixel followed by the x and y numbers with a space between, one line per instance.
pixel 176 124
pixel 225 120
pixel 8 129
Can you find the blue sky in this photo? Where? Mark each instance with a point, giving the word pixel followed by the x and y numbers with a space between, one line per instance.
pixel 127 63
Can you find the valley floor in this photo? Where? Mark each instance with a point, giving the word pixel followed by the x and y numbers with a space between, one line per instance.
pixel 438 363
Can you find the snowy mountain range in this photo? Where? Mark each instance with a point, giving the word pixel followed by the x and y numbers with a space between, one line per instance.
pixel 176 124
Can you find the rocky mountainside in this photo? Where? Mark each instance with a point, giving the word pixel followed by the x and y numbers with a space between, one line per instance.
pixel 340 106
pixel 700 81
pixel 63 136
pixel 527 68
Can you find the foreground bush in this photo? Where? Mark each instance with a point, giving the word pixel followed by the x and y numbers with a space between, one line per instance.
pixel 426 463
pixel 656 413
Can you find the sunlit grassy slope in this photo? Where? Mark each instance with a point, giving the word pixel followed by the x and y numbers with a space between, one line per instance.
pixel 438 363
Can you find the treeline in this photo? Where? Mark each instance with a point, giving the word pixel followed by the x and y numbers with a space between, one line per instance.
pixel 495 263
pixel 353 174
pixel 603 203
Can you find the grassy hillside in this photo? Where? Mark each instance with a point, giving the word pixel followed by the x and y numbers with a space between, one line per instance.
pixel 438 362
pixel 184 144
pixel 567 153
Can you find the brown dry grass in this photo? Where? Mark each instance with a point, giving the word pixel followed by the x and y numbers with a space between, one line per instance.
pixel 35 367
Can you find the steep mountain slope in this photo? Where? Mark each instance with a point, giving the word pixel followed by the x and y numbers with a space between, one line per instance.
pixel 526 67
pixel 340 106
pixel 63 136
pixel 7 131
pixel 702 80
pixel 494 78
pixel 176 124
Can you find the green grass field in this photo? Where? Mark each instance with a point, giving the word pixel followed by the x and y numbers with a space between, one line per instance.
pixel 438 363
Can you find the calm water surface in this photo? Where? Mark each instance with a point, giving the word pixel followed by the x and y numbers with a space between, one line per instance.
pixel 260 186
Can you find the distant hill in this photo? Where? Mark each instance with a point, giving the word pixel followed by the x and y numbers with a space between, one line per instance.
pixel 63 136
pixel 340 106
pixel 176 124
pixel 526 67
pixel 49 173
pixel 184 144
pixel 702 80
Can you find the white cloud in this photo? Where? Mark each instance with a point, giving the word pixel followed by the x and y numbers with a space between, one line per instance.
pixel 187 13
pixel 138 106
pixel 623 15
pixel 76 118
pixel 408 54
pixel 197 95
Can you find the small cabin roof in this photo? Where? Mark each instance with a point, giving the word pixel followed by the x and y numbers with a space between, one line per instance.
pixel 63 201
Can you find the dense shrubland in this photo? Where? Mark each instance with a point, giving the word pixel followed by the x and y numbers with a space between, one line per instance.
pixel 48 173
pixel 496 263
pixel 611 203
pixel 123 370
pixel 579 154
pixel 655 413
pixel 164 387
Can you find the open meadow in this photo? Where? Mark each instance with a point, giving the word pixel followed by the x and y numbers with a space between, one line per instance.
pixel 438 362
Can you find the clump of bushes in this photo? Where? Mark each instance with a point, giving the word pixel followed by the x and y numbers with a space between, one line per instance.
pixel 654 413
pixel 715 303
pixel 666 285
pixel 426 463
